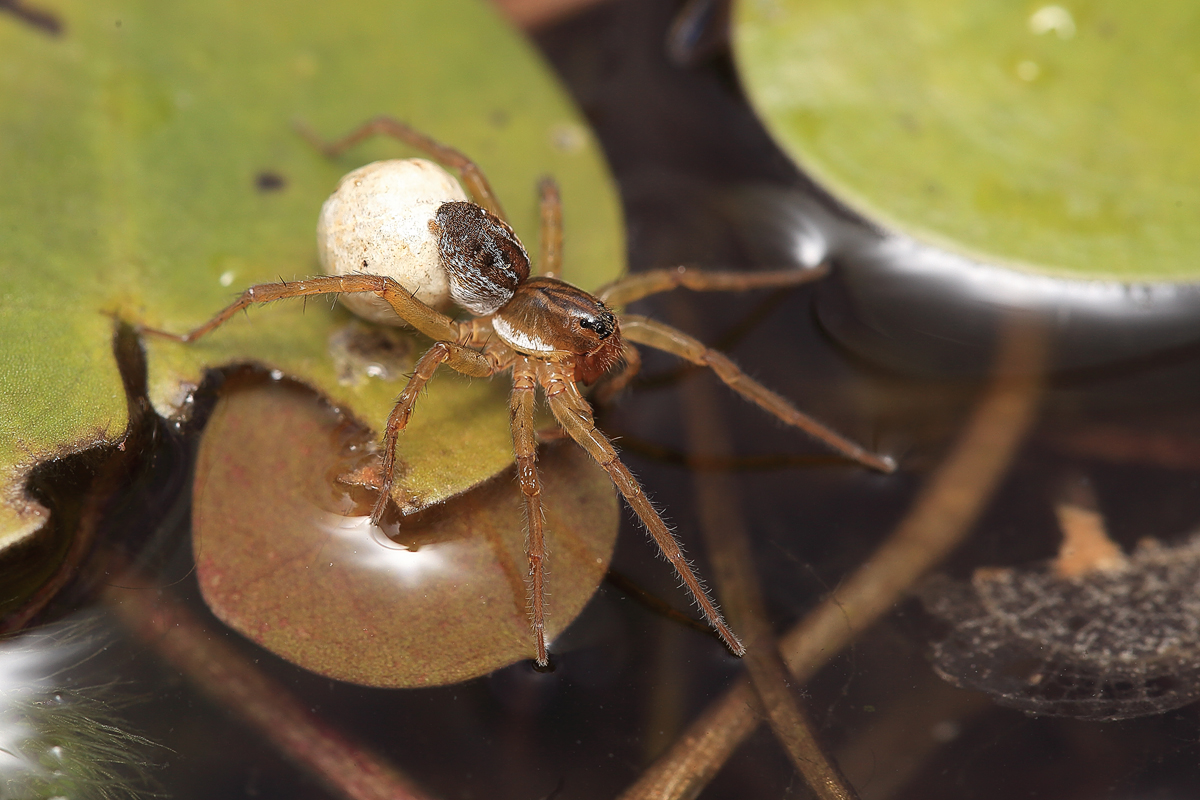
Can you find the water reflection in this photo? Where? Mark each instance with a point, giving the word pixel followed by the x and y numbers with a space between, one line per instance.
pixel 355 541
pixel 57 741
pixel 917 306
pixel 1052 19
pixel 23 667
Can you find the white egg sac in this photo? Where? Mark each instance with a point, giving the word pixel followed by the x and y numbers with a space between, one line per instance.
pixel 377 222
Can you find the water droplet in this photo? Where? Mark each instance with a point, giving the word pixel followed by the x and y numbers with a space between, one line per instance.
pixel 1054 19
pixel 568 137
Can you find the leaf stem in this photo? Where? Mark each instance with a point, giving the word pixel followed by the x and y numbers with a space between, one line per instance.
pixel 345 766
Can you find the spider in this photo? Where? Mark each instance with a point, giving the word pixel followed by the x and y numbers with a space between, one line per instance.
pixel 546 333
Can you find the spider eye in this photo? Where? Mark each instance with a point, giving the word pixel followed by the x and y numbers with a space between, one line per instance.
pixel 602 325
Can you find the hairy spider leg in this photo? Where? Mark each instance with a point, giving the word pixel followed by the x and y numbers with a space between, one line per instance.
pixel 671 340
pixel 459 358
pixel 432 323
pixel 643 284
pixel 575 415
pixel 664 337
pixel 550 206
pixel 428 321
pixel 476 182
pixel 524 436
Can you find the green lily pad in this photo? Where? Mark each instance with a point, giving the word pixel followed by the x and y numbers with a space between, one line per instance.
pixel 151 171
pixel 1058 139
pixel 296 566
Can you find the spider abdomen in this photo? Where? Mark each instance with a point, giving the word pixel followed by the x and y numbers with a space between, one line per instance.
pixel 482 256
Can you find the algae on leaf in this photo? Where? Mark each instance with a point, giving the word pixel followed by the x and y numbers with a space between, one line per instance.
pixel 151 171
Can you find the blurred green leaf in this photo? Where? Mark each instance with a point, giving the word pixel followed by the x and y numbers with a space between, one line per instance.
pixel 133 149
pixel 1059 139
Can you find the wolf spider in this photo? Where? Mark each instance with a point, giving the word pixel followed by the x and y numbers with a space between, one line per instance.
pixel 549 334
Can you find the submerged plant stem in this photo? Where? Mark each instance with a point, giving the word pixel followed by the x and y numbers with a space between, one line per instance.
pixel 346 767
pixel 943 513
pixel 728 543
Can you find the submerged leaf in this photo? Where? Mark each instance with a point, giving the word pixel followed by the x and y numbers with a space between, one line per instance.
pixel 1108 644
pixel 294 564
pixel 151 171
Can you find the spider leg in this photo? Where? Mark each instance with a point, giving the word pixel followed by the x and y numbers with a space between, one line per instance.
pixel 476 182
pixel 524 436
pixel 574 414
pixel 550 203
pixel 615 382
pixel 462 359
pixel 643 284
pixel 664 337
pixel 432 323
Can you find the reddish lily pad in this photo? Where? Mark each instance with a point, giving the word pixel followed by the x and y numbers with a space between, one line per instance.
pixel 291 561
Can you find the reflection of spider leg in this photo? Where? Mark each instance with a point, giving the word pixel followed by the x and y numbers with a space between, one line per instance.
pixel 574 414
pixel 524 437
pixel 614 382
pixel 457 357
pixel 664 337
pixel 476 182
pixel 643 284
pixel 550 203
pixel 432 323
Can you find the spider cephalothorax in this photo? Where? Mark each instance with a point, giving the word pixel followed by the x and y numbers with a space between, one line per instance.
pixel 547 333
pixel 548 318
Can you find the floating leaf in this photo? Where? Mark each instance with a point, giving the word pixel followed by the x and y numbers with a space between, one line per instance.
pixel 151 171
pixel 297 567
pixel 1058 139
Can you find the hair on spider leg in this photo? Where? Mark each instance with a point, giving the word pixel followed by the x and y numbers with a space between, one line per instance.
pixel 550 666
pixel 548 335
pixel 655 604
pixel 726 341
pixel 557 790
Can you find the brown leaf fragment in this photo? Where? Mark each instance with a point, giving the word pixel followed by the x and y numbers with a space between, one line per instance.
pixel 1085 546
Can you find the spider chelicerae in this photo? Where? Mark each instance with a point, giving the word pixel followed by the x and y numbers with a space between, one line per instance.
pixel 548 334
